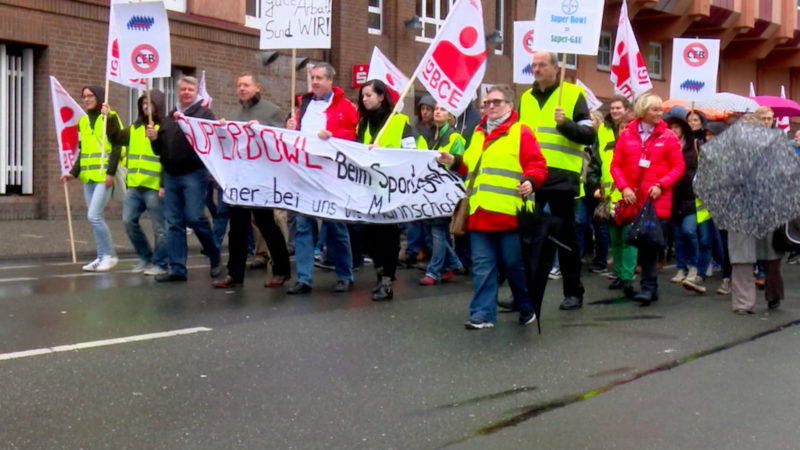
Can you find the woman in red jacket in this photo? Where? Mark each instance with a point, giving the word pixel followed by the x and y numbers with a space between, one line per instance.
pixel 647 162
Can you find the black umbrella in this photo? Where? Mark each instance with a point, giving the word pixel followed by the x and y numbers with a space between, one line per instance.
pixel 537 231
pixel 748 178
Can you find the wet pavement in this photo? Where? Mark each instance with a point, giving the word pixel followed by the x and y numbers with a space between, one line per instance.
pixel 184 365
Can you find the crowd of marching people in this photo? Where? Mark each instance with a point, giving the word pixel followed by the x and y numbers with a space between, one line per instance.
pixel 544 151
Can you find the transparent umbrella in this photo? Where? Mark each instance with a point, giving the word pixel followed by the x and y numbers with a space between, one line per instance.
pixel 749 179
pixel 729 101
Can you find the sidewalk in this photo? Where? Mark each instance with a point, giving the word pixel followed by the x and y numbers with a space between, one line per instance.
pixel 36 239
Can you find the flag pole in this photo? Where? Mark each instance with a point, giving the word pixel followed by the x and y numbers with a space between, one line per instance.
pixel 294 82
pixel 69 224
pixel 105 124
pixel 396 106
pixel 561 80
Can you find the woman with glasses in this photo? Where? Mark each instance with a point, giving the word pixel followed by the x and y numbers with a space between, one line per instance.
pixel 96 169
pixel 507 165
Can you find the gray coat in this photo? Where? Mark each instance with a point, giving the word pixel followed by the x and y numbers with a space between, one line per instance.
pixel 745 249
pixel 265 112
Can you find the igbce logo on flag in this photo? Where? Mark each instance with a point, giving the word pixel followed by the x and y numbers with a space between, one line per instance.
pixel 451 65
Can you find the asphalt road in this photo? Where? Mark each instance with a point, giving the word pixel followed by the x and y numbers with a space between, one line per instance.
pixel 255 368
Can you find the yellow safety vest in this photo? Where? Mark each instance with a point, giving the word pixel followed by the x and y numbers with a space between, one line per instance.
pixel 393 134
pixel 144 167
pixel 560 152
pixel 605 150
pixel 702 213
pixel 91 155
pixel 495 187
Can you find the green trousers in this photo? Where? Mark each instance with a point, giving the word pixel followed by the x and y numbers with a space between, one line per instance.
pixel 624 255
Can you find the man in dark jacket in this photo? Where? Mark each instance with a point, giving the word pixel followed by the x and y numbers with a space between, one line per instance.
pixel 254 110
pixel 185 184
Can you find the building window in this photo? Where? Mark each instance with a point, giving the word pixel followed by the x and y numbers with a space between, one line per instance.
pixel 432 14
pixel 375 17
pixel 16 120
pixel 604 51
pixel 654 60
pixel 252 13
pixel 175 5
pixel 572 60
pixel 499 21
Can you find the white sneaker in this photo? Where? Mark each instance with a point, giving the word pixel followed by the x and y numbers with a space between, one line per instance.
pixel 141 266
pixel 725 287
pixel 106 263
pixel 92 266
pixel 555 274
pixel 154 271
pixel 679 277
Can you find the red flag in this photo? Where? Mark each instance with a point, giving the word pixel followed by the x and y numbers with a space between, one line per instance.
pixel 628 70
pixel 66 113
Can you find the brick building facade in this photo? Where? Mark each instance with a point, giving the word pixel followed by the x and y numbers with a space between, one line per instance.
pixel 67 39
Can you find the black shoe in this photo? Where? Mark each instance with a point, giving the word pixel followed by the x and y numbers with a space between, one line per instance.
pixel 384 292
pixel 645 297
pixel 774 304
pixel 410 261
pixel 527 318
pixel 299 288
pixel 627 288
pixel 570 303
pixel 343 286
pixel 618 283
pixel 169 276
pixel 507 305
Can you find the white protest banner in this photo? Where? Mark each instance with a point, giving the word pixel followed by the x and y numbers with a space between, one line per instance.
pixel 66 113
pixel 205 97
pixel 380 68
pixel 143 34
pixel 628 70
pixel 112 54
pixel 591 100
pixel 568 26
pixel 453 66
pixel 523 51
pixel 295 24
pixel 333 179
pixel 694 68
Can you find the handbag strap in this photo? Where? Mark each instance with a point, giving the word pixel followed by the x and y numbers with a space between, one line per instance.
pixel 473 177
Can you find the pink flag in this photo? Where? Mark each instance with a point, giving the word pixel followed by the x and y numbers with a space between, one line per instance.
pixel 205 98
pixel 380 68
pixel 783 122
pixel 66 113
pixel 453 66
pixel 113 72
pixel 628 70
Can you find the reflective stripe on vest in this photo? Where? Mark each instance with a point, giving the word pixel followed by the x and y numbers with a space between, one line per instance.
pixel 702 213
pixel 606 141
pixel 560 152
pixel 144 167
pixel 496 184
pixel 90 162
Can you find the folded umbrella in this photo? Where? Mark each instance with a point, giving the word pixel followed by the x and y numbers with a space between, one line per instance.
pixel 749 179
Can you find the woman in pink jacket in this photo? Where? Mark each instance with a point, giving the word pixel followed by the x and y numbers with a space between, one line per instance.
pixel 647 162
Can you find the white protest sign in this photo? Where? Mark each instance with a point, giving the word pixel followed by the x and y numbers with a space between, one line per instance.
pixel 295 24
pixel 333 179
pixel 568 26
pixel 143 36
pixel 112 53
pixel 694 68
pixel 523 51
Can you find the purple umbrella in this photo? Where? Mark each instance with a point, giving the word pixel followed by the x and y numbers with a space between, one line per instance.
pixel 781 106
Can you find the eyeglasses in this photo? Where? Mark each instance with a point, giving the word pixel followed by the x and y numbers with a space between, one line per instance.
pixel 87 97
pixel 493 102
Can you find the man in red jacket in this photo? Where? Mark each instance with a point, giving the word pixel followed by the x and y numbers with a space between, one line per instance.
pixel 327 113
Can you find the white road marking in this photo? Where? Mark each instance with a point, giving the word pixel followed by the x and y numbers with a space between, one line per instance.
pixel 71 275
pixel 101 343
pixel 10 280
pixel 34 236
pixel 30 266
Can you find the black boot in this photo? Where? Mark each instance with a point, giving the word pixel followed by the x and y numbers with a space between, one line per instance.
pixel 627 288
pixel 384 291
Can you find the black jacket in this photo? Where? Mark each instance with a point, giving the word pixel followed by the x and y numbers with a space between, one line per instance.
pixel 595 170
pixel 682 191
pixel 177 154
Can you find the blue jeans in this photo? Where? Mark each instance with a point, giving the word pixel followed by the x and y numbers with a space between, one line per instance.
pixel 219 212
pixel 581 222
pixel 489 250
pixel 417 236
pixel 136 202
pixel 183 205
pixel 705 239
pixel 442 254
pixel 97 195
pixel 337 244
pixel 685 229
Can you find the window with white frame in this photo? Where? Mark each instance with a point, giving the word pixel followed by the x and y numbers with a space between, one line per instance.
pixel 175 5
pixel 432 14
pixel 654 60
pixel 252 13
pixel 375 17
pixel 572 60
pixel 499 21
pixel 604 51
pixel 16 119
